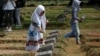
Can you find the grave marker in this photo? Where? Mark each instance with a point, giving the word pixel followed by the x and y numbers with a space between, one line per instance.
pixel 46 47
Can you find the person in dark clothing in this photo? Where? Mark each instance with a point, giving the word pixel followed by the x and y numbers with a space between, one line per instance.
pixel 8 8
pixel 17 14
pixel 1 13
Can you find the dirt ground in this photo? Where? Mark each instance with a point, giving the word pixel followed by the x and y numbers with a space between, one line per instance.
pixel 73 49
pixel 63 46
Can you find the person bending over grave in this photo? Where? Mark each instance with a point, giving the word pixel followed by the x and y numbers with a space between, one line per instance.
pixel 36 29
pixel 74 21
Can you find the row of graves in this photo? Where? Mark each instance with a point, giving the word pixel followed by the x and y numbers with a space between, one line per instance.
pixel 48 48
pixel 15 45
pixel 91 45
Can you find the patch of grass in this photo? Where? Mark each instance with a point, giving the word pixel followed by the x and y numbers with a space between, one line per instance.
pixel 91 22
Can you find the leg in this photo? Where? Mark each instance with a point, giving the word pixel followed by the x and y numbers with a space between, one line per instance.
pixel 6 17
pixel 17 15
pixel 11 17
pixel 14 17
pixel 41 38
pixel 10 20
pixel 77 33
pixel 71 33
pixel 1 16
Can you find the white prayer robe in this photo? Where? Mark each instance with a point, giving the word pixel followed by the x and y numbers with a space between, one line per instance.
pixel 33 32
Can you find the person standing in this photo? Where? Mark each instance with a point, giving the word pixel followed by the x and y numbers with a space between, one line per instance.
pixel 36 29
pixel 8 8
pixel 17 14
pixel 74 21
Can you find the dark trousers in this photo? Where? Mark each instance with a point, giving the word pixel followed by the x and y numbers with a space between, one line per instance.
pixel 8 14
pixel 1 16
pixel 14 17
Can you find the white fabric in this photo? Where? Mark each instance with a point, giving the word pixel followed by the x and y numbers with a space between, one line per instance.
pixel 31 47
pixel 41 21
pixel 37 19
pixel 9 5
pixel 41 35
pixel 35 38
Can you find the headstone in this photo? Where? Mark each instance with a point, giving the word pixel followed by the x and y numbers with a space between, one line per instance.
pixel 45 53
pixel 52 36
pixel 55 31
pixel 48 41
pixel 46 48
pixel 61 17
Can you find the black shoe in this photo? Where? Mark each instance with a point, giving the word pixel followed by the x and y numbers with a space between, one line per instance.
pixel 81 36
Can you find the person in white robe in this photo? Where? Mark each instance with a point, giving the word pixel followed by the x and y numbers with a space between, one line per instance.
pixel 36 29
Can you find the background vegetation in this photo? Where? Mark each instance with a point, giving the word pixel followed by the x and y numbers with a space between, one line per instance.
pixel 52 12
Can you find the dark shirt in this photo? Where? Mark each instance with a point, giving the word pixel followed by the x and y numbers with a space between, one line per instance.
pixel 20 3
pixel 1 3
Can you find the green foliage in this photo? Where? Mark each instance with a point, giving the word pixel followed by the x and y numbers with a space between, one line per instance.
pixel 92 17
pixel 46 2
pixel 57 24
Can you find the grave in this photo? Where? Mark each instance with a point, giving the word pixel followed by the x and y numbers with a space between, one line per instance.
pixel 45 53
pixel 46 47
pixel 52 36
pixel 53 32
pixel 51 40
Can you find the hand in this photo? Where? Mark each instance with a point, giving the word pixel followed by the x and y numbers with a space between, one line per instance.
pixel 47 21
pixel 40 30
pixel 79 20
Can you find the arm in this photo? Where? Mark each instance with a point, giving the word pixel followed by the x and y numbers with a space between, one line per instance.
pixel 82 18
pixel 36 22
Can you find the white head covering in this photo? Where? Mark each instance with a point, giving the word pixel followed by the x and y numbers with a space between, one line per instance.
pixel 41 19
pixel 76 4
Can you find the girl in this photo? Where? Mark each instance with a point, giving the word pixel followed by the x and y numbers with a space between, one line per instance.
pixel 36 29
